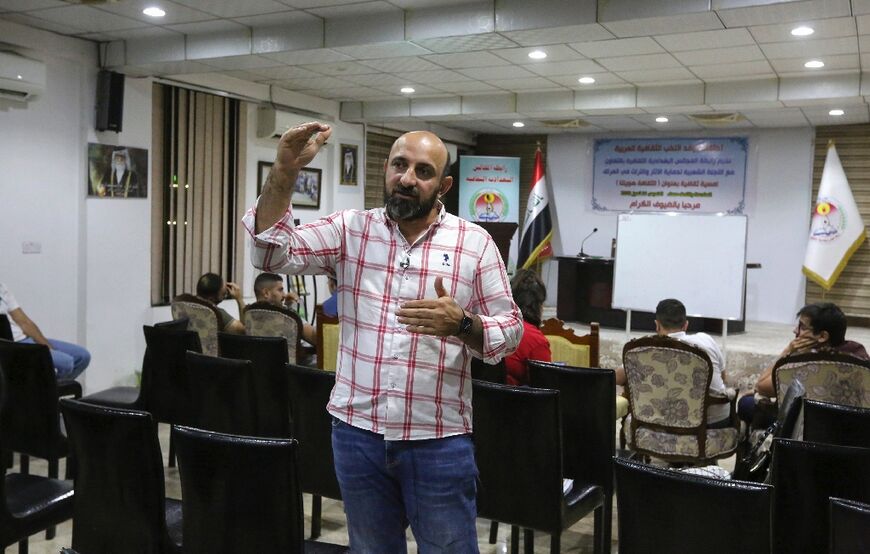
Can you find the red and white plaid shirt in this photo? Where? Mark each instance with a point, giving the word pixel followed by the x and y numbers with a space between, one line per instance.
pixel 389 381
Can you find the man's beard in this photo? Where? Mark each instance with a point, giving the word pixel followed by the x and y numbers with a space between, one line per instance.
pixel 408 209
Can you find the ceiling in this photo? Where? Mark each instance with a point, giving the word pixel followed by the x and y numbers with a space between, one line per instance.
pixel 468 61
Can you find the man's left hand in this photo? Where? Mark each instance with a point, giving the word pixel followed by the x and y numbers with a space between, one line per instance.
pixel 440 317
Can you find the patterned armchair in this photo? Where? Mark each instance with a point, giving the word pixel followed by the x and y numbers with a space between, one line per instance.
pixel 267 320
pixel 668 387
pixel 568 347
pixel 203 318
pixel 827 377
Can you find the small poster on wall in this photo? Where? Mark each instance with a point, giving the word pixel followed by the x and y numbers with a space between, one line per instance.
pixel 348 153
pixel 489 189
pixel 117 171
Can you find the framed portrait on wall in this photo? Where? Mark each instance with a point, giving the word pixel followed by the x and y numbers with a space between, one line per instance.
pixel 117 171
pixel 306 193
pixel 348 160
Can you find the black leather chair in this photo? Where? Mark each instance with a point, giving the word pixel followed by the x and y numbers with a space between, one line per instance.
pixel 269 379
pixel 135 398
pixel 492 373
pixel 221 394
pixel 241 494
pixel 120 503
pixel 518 444
pixel 312 427
pixel 850 527
pixel 29 503
pixel 836 424
pixel 668 511
pixel 164 391
pixel 587 401
pixel 804 475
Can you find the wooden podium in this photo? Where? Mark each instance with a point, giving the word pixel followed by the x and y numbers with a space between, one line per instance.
pixel 501 233
pixel 586 292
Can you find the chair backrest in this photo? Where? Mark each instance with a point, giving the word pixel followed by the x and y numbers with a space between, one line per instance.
pixel 327 330
pixel 836 424
pixel 567 347
pixel 662 510
pixel 518 447
pixel 239 494
pixel 5 328
pixel 850 522
pixel 804 475
pixel 312 427
pixel 203 317
pixel 266 320
pixel 222 394
pixel 165 391
pixel 587 400
pixel 826 376
pixel 179 324
pixel 119 501
pixel 29 418
pixel 268 379
pixel 493 373
pixel 667 382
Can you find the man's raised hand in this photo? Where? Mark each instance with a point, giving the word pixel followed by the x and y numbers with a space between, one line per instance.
pixel 299 145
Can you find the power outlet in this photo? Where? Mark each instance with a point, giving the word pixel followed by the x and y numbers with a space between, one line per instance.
pixel 30 247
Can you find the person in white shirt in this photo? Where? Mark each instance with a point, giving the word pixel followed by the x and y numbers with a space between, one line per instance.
pixel 69 359
pixel 671 321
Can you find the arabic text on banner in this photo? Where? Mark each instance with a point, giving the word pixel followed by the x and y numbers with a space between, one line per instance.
pixel 489 189
pixel 673 174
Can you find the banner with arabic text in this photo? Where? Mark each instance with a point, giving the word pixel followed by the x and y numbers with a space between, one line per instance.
pixel 489 189
pixel 705 175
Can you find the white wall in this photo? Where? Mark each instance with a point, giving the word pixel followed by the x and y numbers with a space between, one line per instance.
pixel 778 191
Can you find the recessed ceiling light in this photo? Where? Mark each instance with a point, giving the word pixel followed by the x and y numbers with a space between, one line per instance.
pixel 519 124
pixel 661 119
pixel 814 64
pixel 537 54
pixel 802 31
pixel 407 90
pixel 154 11
pixel 586 80
pixel 836 112
pixel 19 76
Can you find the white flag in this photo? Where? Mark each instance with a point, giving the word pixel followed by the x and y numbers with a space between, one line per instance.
pixel 837 229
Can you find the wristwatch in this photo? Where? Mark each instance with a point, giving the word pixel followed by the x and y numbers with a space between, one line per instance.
pixel 465 325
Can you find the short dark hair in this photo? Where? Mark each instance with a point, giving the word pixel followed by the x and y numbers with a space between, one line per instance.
pixel 671 313
pixel 826 316
pixel 209 285
pixel 263 280
pixel 529 293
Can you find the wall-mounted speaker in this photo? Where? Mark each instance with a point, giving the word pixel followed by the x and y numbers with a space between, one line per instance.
pixel 110 101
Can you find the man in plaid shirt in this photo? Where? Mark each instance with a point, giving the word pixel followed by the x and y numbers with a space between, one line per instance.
pixel 420 292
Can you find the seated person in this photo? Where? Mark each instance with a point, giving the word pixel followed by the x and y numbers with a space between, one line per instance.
pixel 821 327
pixel 269 287
pixel 330 305
pixel 69 360
pixel 671 322
pixel 529 294
pixel 212 288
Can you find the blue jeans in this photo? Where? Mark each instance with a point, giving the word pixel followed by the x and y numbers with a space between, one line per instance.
pixel 385 485
pixel 69 359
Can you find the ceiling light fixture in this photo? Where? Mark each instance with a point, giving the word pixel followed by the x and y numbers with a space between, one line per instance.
pixel 519 124
pixel 154 11
pixel 814 64
pixel 537 54
pixel 836 112
pixel 802 31
pixel 661 119
pixel 406 90
pixel 586 80
pixel 19 77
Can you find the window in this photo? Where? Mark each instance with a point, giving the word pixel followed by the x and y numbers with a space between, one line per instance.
pixel 198 148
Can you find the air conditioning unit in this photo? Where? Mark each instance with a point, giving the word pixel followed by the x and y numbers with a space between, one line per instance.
pixel 21 79
pixel 272 123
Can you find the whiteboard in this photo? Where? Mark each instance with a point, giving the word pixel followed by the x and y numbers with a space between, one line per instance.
pixel 697 259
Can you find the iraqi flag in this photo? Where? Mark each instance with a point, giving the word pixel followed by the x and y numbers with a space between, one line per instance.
pixel 837 229
pixel 537 226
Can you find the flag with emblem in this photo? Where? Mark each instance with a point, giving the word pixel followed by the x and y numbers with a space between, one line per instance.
pixel 836 230
pixel 537 225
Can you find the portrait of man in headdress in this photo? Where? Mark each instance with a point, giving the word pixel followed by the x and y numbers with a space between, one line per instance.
pixel 117 171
